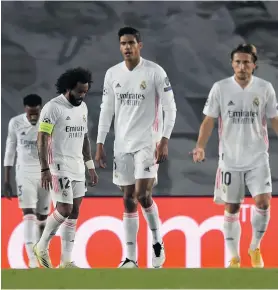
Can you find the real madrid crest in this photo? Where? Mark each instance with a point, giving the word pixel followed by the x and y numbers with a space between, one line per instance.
pixel 256 102
pixel 143 85
pixel 84 118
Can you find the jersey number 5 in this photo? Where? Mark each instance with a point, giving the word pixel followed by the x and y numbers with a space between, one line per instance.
pixel 64 183
pixel 226 178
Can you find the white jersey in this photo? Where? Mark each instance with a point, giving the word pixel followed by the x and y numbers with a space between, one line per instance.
pixel 22 141
pixel 137 99
pixel 242 113
pixel 67 137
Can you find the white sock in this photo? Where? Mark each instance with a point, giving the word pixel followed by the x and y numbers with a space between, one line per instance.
pixel 152 217
pixel 232 232
pixel 260 220
pixel 41 226
pixel 30 234
pixel 53 223
pixel 68 230
pixel 131 226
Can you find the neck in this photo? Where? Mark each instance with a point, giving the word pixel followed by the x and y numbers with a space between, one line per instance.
pixel 243 83
pixel 132 64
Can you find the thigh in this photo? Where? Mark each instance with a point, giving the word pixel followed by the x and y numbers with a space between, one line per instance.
pixel 79 188
pixel 61 189
pixel 258 180
pixel 229 186
pixel 123 169
pixel 144 162
pixel 27 192
pixel 44 201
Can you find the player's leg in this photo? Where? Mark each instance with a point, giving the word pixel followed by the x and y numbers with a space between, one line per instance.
pixel 259 184
pixel 229 188
pixel 62 194
pixel 43 209
pixel 145 175
pixel 27 198
pixel 123 177
pixel 68 228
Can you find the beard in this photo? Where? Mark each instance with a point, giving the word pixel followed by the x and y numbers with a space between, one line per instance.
pixel 75 102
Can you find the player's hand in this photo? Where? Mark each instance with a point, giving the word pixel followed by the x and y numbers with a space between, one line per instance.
pixel 100 157
pixel 93 177
pixel 7 190
pixel 161 152
pixel 198 154
pixel 46 180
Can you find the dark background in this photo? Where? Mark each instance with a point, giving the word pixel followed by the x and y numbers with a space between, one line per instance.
pixel 192 41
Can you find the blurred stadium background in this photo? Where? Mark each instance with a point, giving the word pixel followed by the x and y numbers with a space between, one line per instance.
pixel 192 41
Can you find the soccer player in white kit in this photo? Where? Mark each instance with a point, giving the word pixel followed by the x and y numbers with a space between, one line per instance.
pixel 135 91
pixel 32 198
pixel 242 103
pixel 63 147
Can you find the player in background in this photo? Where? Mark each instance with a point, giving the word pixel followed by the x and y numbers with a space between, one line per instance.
pixel 33 199
pixel 63 147
pixel 242 103
pixel 135 91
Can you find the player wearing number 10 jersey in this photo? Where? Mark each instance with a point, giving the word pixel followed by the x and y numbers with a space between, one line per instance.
pixel 63 146
pixel 243 103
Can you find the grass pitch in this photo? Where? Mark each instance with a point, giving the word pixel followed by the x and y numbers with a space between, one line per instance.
pixel 140 279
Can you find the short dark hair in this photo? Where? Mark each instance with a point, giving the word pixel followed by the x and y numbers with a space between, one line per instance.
pixel 32 100
pixel 129 30
pixel 69 79
pixel 246 48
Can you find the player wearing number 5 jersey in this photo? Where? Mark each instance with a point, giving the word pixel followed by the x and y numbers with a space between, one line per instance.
pixel 243 103
pixel 63 146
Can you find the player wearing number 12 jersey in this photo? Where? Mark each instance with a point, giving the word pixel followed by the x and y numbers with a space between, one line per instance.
pixel 63 146
pixel 243 103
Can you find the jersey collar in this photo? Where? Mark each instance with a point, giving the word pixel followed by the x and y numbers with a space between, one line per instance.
pixel 249 84
pixel 137 67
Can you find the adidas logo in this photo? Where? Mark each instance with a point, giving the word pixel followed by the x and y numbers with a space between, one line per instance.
pixel 67 118
pixel 23 133
pixel 118 85
pixel 231 103
pixel 268 183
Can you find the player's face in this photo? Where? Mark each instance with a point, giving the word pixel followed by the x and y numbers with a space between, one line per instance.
pixel 33 114
pixel 243 65
pixel 77 95
pixel 129 47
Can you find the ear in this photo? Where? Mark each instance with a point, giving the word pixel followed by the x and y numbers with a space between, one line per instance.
pixel 141 45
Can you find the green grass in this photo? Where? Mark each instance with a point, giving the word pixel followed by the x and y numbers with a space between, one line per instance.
pixel 140 278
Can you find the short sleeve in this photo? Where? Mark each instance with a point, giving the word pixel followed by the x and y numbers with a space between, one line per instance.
pixel 48 118
pixel 212 106
pixel 271 109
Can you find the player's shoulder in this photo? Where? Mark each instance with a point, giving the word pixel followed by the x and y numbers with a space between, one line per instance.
pixel 115 69
pixel 55 103
pixel 261 82
pixel 17 120
pixel 224 82
pixel 151 65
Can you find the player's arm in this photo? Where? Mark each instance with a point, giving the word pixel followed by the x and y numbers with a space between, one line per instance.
pixel 211 111
pixel 107 109
pixel 272 108
pixel 166 95
pixel 9 157
pixel 105 119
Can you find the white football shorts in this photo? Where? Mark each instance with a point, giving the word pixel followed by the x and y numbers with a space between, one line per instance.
pixel 230 185
pixel 129 167
pixel 32 195
pixel 65 190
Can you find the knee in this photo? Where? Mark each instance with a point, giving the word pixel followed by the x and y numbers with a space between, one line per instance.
pixel 232 208
pixel 64 209
pixel 263 201
pixel 41 217
pixel 144 198
pixel 130 203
